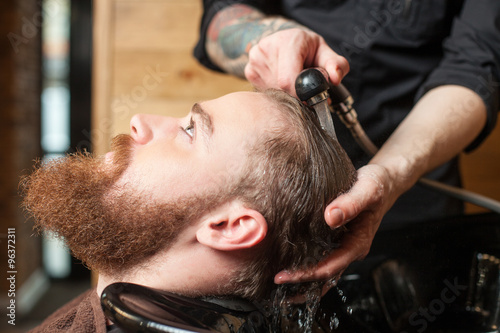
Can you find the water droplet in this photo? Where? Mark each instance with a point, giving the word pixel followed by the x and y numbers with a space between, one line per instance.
pixel 293 317
pixel 334 322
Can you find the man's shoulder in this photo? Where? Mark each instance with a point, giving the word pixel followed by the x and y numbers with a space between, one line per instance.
pixel 82 314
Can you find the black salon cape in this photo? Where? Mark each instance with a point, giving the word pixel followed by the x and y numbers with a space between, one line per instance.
pixel 398 50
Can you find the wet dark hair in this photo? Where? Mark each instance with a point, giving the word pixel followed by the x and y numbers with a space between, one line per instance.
pixel 293 173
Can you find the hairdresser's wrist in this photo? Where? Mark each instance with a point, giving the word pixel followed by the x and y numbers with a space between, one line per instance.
pixel 401 172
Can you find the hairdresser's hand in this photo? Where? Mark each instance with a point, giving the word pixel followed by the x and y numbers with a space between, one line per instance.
pixel 276 60
pixel 362 208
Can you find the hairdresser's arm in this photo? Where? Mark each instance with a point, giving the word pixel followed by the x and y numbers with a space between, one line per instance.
pixel 442 123
pixel 269 51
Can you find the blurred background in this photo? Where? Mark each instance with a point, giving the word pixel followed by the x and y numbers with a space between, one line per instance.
pixel 73 73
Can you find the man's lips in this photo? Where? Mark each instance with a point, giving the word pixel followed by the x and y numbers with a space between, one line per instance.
pixel 108 158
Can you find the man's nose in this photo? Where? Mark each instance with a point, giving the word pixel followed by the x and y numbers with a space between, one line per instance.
pixel 141 128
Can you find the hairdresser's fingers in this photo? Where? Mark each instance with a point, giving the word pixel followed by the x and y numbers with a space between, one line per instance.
pixel 276 60
pixel 371 194
pixel 355 246
pixel 364 206
pixel 299 53
pixel 309 50
pixel 257 68
pixel 336 65
pixel 262 69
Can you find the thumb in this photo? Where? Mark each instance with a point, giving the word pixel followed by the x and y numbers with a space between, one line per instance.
pixel 365 195
pixel 336 65
pixel 342 210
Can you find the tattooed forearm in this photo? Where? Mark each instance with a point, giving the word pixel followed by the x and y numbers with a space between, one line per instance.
pixel 233 32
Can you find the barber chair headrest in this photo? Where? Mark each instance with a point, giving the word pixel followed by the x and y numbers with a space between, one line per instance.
pixel 135 308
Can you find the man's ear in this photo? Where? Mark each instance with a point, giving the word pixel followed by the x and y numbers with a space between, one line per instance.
pixel 232 227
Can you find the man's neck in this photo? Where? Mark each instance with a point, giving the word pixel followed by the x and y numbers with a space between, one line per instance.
pixel 192 271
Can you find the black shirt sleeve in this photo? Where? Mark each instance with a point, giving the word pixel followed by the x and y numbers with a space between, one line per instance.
pixel 472 58
pixel 210 9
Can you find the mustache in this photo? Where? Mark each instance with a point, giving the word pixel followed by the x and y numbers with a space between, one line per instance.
pixel 121 146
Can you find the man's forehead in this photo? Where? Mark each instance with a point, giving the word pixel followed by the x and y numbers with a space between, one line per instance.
pixel 253 107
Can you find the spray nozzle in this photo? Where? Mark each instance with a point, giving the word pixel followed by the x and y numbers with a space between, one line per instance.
pixel 312 87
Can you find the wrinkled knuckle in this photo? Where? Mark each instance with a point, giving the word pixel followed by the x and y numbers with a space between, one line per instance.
pixel 356 208
pixel 250 72
pixel 253 53
pixel 283 83
pixel 298 36
pixel 264 43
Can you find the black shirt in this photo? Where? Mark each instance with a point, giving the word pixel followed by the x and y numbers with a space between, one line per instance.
pixel 398 50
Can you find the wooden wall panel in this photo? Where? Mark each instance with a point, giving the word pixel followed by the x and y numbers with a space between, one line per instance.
pixel 101 75
pixel 156 25
pixel 180 74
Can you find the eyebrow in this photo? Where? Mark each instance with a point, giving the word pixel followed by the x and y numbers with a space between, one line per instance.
pixel 206 121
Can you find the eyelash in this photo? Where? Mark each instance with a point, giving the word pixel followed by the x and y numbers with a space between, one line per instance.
pixel 190 127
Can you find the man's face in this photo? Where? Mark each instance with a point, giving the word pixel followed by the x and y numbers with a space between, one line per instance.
pixel 113 220
pixel 173 157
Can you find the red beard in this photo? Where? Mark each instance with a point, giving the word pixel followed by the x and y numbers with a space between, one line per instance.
pixel 109 229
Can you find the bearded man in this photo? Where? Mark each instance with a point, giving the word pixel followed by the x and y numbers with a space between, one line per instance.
pixel 215 203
